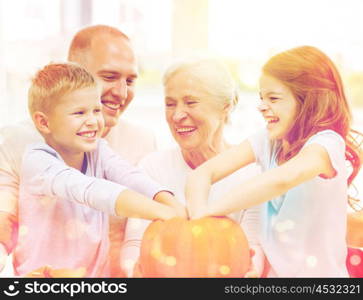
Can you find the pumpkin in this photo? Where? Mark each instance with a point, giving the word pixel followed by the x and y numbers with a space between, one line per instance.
pixel 206 247
pixel 355 229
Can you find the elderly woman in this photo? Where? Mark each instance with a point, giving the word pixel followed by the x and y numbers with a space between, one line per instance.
pixel 199 97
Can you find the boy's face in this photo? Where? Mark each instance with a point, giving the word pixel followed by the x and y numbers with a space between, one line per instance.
pixel 76 122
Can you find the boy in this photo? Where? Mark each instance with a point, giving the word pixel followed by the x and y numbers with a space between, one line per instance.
pixel 70 183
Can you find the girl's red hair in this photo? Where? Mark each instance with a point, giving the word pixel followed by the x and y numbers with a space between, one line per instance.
pixel 317 86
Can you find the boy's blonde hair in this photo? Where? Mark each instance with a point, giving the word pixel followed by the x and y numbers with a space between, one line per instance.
pixel 54 81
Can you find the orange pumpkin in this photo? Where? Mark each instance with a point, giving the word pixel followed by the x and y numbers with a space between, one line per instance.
pixel 206 247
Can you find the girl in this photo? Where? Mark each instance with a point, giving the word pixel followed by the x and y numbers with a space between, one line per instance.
pixel 302 153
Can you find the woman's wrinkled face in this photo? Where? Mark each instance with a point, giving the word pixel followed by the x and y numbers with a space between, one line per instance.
pixel 195 118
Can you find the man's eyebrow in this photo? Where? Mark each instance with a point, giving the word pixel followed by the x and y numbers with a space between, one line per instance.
pixel 108 71
pixel 105 71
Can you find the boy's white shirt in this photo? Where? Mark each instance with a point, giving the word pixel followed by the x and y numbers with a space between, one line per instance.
pixel 127 139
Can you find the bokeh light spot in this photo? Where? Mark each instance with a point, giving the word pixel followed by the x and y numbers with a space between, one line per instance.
pixel 224 270
pixel 170 261
pixel 23 230
pixel 355 260
pixel 311 261
pixel 197 230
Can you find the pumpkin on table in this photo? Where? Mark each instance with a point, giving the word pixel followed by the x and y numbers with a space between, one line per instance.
pixel 206 247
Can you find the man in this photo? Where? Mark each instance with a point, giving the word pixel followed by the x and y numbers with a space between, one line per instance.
pixel 107 54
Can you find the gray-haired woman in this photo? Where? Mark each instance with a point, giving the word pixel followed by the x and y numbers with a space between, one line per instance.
pixel 199 97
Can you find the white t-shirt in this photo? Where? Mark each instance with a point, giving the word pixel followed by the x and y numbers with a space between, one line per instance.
pixel 303 231
pixel 169 168
pixel 131 141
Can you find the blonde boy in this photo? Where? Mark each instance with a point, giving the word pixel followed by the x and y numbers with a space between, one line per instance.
pixel 72 182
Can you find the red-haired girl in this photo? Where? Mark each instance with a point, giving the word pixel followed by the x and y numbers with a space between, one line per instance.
pixel 302 152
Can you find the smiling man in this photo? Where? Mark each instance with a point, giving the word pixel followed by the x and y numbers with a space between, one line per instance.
pixel 107 54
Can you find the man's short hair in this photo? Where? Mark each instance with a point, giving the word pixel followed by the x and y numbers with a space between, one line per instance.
pixel 54 81
pixel 82 41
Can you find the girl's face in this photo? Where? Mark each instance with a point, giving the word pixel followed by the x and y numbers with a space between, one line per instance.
pixel 278 106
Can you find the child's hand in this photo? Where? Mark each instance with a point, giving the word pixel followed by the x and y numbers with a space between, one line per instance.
pixel 198 212
pixel 169 199
pixel 180 209
pixel 48 272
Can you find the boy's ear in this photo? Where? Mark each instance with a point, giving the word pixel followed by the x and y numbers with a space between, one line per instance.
pixel 41 122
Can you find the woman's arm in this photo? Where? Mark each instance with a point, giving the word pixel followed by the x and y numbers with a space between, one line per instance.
pixel 311 161
pixel 200 180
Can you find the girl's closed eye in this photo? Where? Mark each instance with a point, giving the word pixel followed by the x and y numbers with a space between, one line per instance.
pixel 274 99
pixel 80 112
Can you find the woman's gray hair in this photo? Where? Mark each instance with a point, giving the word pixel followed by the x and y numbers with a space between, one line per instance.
pixel 211 74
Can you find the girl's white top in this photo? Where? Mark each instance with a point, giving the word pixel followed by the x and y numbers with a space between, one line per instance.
pixel 303 231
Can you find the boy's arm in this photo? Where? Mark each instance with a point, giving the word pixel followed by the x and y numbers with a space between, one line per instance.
pixel 168 198
pixel 132 204
pixel 43 173
pixel 121 171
